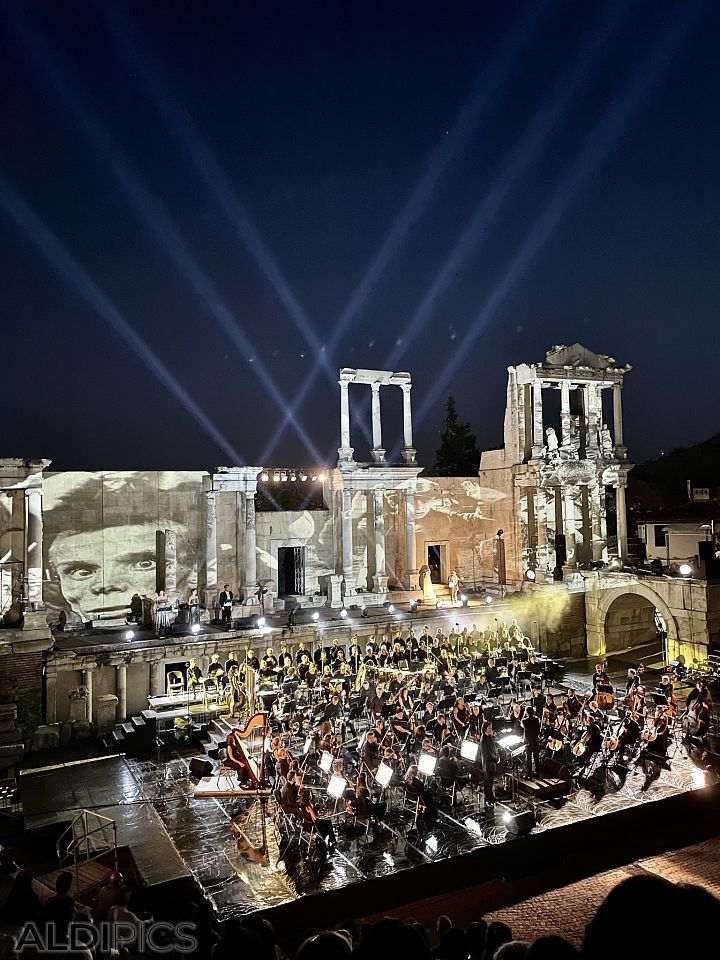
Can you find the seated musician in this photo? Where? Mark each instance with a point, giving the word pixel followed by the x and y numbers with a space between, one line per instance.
pixel 231 661
pixel 399 725
pixel 376 702
pixel 537 701
pixel 395 685
pixel 535 669
pixel 461 717
pixel 270 658
pixel 451 686
pixel 332 710
pixel 481 686
pixel 439 730
pixel 312 820
pixel 251 660
pixel 428 718
pixel 235 757
pixel 699 692
pixel 475 721
pixel 515 718
pixel 665 687
pixel 312 677
pixel 443 662
pixel 632 681
pixel 415 792
pixel 379 729
pixel 370 660
pixel 265 674
pixel 370 754
pixel 492 673
pixel 420 655
pixel 599 677
pixel 549 714
pixel 591 740
pixel 448 769
pixel 415 742
pixel 194 674
pixel 365 807
pixel 572 705
pixel 404 698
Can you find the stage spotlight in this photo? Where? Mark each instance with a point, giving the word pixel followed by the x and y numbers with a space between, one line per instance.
pixel 129 635
pixel 463 599
pixel 195 628
pixel 293 477
pixel 303 476
pixel 426 764
pixel 384 775
pixel 530 574
pixel 438 604
pixel 283 477
pixel 326 761
pixel 391 608
pixel 469 750
pixel 264 477
pixel 343 612
pixel 413 606
pixel 685 570
pixel 261 621
pixel 336 787
pixel 316 616
pixel 321 478
pixel 488 599
pixel 364 610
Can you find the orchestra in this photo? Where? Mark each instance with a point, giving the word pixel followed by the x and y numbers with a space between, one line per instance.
pixel 381 707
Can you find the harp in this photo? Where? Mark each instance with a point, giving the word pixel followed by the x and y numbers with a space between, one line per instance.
pixel 246 750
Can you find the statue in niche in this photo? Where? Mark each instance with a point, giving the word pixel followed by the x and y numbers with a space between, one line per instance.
pixel 550 450
pixel 606 444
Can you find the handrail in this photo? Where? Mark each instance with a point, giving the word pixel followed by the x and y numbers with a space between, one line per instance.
pixel 78 838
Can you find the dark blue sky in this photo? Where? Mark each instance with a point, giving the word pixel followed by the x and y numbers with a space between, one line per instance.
pixel 172 147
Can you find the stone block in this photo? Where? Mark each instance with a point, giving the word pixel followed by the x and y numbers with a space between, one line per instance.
pixel 82 730
pixel 46 737
pixel 66 730
pixel 8 711
pixel 106 712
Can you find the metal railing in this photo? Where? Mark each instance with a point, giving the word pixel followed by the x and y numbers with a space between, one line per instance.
pixel 80 841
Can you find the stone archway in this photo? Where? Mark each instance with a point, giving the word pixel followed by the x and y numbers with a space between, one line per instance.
pixel 623 613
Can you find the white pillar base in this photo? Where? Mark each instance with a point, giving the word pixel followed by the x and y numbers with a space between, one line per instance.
pixel 378 454
pixel 413 580
pixel 380 584
pixel 345 454
pixel 409 455
pixel 348 587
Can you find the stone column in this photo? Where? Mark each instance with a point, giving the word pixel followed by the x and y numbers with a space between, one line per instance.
pixel 591 420
pixel 409 452
pixel 50 697
pixel 380 579
pixel 156 679
pixel 411 571
pixel 250 547
pixel 87 679
pixel 345 451
pixel 569 493
pixel 538 436
pixel 34 565
pixel 210 545
pixel 171 564
pixel 618 422
pixel 598 538
pixel 121 692
pixel 542 534
pixel 378 451
pixel 621 519
pixel 347 543
pixel 565 419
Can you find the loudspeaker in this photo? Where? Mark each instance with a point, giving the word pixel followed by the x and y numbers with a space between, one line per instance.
pixel 520 824
pixel 200 767
pixel 709 567
pixel 556 770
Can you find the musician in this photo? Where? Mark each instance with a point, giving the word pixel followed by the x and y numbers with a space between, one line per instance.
pixel 377 701
pixel 515 631
pixel 312 677
pixel 699 692
pixel 232 661
pixel 300 653
pixel 428 718
pixel 162 608
pixel 531 734
pixel 251 660
pixel 420 655
pixel 475 722
pixel 515 718
pixel 312 820
pixel 194 674
pixel 354 655
pixel 370 660
pixel 335 651
pixel 450 688
pixel 482 687
pixel 537 701
pixel 629 733
pixel 266 675
pixel 304 667
pixel 536 671
pixel 599 677
pixel 399 725
pixel 215 668
pixel 591 742
pixel 448 768
pixel 405 699
pixel 461 718
pixel 549 714
pixel 490 760
pixel 632 681
pixel 365 807
pixel 400 654
pixel 439 730
pixel 492 673
pixel 270 658
pixel 665 687
pixel 395 685
pixel 235 758
pixel 370 753
pixel 572 705
pixel 415 792
pixel 226 602
pixel 333 709
pixel 237 693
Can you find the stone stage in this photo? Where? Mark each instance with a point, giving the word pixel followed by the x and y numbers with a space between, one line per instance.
pixel 173 834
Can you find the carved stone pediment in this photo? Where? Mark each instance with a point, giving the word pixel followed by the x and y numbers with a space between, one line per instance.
pixel 576 355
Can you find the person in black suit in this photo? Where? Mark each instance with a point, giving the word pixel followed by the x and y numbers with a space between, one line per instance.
pixel 226 599
pixel 490 760
pixel 531 729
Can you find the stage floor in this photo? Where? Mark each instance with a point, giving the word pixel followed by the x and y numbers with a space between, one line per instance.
pixel 219 839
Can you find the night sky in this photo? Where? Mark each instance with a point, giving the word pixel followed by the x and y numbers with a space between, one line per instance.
pixel 204 206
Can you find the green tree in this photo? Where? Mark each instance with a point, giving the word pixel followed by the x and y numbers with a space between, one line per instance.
pixel 458 454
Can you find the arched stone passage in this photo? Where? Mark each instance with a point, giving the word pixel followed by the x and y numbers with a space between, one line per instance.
pixel 623 616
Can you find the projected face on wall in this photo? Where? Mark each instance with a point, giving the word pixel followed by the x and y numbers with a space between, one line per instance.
pixel 104 537
pixel 98 573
